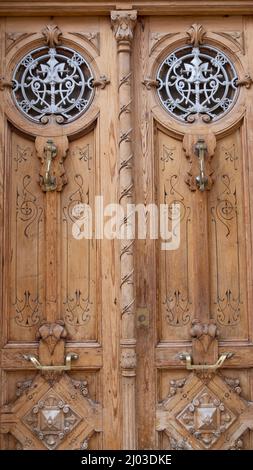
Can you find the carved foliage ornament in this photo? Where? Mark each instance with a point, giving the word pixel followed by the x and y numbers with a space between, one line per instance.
pixel 52 81
pixel 196 35
pixel 197 80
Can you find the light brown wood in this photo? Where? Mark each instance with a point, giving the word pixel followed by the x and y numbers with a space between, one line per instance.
pixel 127 308
pixel 123 24
pixel 61 293
pixel 145 7
pixel 192 315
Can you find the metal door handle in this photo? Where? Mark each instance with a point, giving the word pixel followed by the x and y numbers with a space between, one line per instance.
pixel 37 365
pixel 201 179
pixel 187 358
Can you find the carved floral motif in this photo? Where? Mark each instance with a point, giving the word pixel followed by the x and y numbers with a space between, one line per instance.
pixel 196 35
pixel 52 36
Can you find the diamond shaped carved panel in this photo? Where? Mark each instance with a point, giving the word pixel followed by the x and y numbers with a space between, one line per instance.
pixel 204 413
pixel 51 419
pixel 206 417
pixel 47 416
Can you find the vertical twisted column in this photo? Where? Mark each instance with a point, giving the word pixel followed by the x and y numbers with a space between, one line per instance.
pixel 123 23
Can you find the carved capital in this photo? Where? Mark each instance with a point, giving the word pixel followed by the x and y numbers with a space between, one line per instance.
pixel 52 35
pixel 123 23
pixel 195 35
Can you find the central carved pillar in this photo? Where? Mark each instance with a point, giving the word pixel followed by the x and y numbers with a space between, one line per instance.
pixel 123 23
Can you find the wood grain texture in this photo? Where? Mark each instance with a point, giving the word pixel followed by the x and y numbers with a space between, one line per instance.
pixel 145 7
pixel 199 264
pixel 129 388
pixel 123 24
pixel 50 276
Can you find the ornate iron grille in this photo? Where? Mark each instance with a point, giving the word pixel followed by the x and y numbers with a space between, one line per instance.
pixel 53 81
pixel 197 80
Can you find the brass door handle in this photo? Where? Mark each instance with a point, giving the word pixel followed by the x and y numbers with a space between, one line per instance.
pixel 188 360
pixel 201 179
pixel 37 365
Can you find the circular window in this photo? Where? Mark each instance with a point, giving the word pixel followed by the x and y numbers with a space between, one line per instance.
pixel 198 80
pixel 53 82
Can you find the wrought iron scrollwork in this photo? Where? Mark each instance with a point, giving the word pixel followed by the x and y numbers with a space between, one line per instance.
pixel 53 81
pixel 197 80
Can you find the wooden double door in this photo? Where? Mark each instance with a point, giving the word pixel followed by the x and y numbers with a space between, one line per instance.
pixel 101 336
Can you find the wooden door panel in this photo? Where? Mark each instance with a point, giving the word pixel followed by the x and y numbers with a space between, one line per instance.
pixel 175 272
pixel 187 312
pixel 228 234
pixel 54 284
pixel 81 280
pixel 24 255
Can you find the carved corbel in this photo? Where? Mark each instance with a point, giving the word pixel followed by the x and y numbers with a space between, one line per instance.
pixel 199 150
pixel 50 336
pixel 52 153
pixel 150 83
pixel 246 81
pixel 101 82
pixel 52 36
pixel 51 352
pixel 204 342
pixel 196 35
pixel 5 84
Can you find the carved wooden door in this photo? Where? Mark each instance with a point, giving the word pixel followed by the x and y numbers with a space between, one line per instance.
pixel 108 343
pixel 58 293
pixel 193 137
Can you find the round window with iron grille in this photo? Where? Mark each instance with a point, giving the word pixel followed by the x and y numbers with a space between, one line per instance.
pixel 53 81
pixel 197 81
